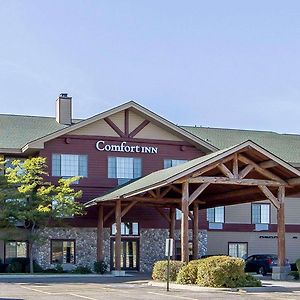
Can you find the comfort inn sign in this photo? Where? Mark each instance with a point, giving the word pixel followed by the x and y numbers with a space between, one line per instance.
pixel 102 146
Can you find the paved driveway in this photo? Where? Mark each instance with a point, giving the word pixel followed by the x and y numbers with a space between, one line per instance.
pixel 119 288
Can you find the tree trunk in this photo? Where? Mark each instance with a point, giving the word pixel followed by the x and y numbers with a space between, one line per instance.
pixel 30 257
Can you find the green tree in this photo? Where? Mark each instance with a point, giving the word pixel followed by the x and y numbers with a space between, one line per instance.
pixel 27 198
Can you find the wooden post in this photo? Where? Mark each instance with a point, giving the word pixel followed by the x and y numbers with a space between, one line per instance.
pixel 281 227
pixel 100 236
pixel 118 236
pixel 195 231
pixel 185 223
pixel 172 228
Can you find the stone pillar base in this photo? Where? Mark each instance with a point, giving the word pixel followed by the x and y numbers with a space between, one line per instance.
pixel 280 273
pixel 118 273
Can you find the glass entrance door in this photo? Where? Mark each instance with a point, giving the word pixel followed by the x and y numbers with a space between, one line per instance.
pixel 129 254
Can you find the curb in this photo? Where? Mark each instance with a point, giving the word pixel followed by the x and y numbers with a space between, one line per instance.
pixel 195 288
pixel 38 276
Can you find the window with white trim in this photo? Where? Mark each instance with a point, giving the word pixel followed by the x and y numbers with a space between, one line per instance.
pixel 68 165
pixel 124 168
pixel 215 217
pixel 168 163
pixel 261 216
pixel 238 249
pixel 15 249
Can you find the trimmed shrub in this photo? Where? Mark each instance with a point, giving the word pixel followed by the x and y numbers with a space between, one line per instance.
pixel 159 271
pixel 248 280
pixel 223 271
pixel 298 264
pixel 100 267
pixel 188 274
pixel 82 270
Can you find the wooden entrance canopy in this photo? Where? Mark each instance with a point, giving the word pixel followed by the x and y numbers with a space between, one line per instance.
pixel 239 174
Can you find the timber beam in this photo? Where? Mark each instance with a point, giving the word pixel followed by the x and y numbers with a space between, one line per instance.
pixel 226 180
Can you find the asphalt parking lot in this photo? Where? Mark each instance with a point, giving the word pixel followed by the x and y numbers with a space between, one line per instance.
pixel 118 288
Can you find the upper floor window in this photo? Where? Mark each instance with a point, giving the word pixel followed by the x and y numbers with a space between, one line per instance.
pixel 14 249
pixel 215 217
pixel 261 216
pixel 127 228
pixel 173 162
pixel 68 165
pixel 124 168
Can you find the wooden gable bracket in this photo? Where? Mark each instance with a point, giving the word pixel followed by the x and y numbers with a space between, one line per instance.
pixel 108 214
pixel 225 170
pixel 166 191
pixel 261 170
pixel 163 214
pixel 127 208
pixel 197 193
pixel 270 196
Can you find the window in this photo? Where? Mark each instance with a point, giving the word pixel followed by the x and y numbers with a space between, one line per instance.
pixel 238 250
pixel 215 217
pixel 173 162
pixel 124 168
pixel 127 228
pixel 178 214
pixel 63 252
pixel 178 250
pixel 9 164
pixel 15 249
pixel 60 209
pixel 261 216
pixel 68 165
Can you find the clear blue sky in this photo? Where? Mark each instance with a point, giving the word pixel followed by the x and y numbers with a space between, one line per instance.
pixel 212 63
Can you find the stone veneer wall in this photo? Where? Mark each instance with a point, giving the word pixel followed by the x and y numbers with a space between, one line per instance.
pixel 152 246
pixel 85 245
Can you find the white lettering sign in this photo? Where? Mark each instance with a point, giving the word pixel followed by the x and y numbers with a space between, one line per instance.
pixel 123 147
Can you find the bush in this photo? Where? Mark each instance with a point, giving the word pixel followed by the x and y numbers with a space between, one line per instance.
pixel 298 264
pixel 82 270
pixel 295 274
pixel 159 271
pixel 188 274
pixel 100 267
pixel 15 267
pixel 224 271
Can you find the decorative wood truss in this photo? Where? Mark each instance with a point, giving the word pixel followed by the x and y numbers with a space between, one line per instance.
pixel 126 133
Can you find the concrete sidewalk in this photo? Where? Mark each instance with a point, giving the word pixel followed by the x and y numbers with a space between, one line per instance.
pixel 268 286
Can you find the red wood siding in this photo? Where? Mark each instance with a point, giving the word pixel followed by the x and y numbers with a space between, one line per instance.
pixel 97 182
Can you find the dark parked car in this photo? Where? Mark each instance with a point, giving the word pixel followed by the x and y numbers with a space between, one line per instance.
pixel 261 263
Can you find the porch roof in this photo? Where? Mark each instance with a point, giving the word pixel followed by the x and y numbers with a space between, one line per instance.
pixel 175 175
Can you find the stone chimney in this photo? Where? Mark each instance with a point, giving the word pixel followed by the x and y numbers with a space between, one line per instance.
pixel 63 109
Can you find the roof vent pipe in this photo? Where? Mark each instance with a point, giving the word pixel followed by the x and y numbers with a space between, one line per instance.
pixel 63 109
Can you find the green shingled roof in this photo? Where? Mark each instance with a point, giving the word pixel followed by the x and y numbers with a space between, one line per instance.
pixel 16 130
pixel 285 146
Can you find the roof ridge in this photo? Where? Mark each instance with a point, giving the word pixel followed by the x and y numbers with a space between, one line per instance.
pixel 29 116
pixel 234 129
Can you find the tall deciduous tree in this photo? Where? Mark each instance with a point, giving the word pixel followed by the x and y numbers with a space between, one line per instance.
pixel 26 198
